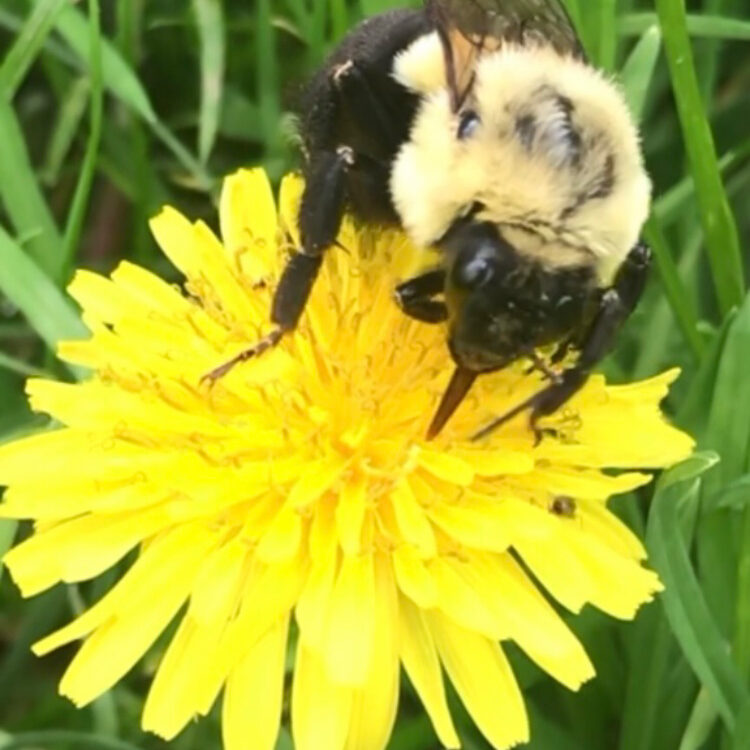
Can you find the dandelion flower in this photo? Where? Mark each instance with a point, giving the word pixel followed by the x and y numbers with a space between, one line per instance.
pixel 300 489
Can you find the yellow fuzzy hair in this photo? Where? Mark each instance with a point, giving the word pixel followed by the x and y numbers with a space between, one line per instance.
pixel 437 177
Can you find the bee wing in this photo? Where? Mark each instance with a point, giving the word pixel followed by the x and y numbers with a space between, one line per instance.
pixel 469 28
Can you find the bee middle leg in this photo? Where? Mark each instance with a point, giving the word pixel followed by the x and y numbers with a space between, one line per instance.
pixel 615 306
pixel 416 297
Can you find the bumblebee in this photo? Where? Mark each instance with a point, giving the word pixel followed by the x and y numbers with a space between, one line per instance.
pixel 479 127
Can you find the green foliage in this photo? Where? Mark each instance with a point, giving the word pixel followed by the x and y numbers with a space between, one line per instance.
pixel 102 123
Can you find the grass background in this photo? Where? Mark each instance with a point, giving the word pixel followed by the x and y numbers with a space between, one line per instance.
pixel 108 112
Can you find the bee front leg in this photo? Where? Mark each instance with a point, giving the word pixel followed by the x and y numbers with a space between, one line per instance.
pixel 615 306
pixel 416 297
pixel 321 212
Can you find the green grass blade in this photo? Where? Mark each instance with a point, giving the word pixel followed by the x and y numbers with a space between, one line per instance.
pixel 317 29
pixel 708 53
pixel 120 80
pixel 646 676
pixel 710 26
pixel 117 75
pixel 691 468
pixel 576 16
pixel 685 606
pixel 20 367
pixel 742 730
pixel 209 16
pixel 678 296
pixel 728 429
pixel 27 45
pixel 607 34
pixel 22 198
pixel 741 640
pixel 701 723
pixel 735 494
pixel 35 295
pixel 79 205
pixel 339 18
pixel 15 24
pixel 722 240
pixel 670 204
pixel 66 128
pixel 25 740
pixel 267 75
pixel 638 71
pixel 302 20
pixel 8 528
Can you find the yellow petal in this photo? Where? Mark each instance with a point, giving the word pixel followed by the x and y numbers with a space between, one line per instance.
pixel 374 704
pixel 163 558
pixel 580 483
pixel 318 477
pixel 496 462
pixel 116 646
pixel 635 584
pixel 323 532
pixel 283 538
pixel 349 650
pixel 459 600
pixel 252 698
pixel 315 601
pixel 57 554
pixel 411 519
pixel 217 585
pixel 559 570
pixel 447 467
pixel 529 620
pixel 482 677
pixel 269 594
pixel 471 527
pixel 600 522
pixel 186 673
pixel 247 215
pixel 101 299
pixel 419 655
pixel 414 578
pixel 45 455
pixel 290 196
pixel 350 515
pixel 153 293
pixel 321 709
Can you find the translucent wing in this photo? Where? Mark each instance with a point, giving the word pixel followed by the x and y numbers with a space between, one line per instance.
pixel 468 28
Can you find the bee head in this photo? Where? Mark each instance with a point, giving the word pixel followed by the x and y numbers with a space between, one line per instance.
pixel 503 305
pixel 491 323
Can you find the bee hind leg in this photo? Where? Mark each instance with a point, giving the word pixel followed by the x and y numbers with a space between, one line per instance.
pixel 615 306
pixel 415 297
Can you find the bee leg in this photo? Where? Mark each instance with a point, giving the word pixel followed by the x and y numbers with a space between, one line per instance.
pixel 562 350
pixel 321 212
pixel 615 306
pixel 320 216
pixel 415 297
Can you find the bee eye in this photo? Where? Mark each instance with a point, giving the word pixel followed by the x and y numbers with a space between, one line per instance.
pixel 472 272
pixel 468 124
